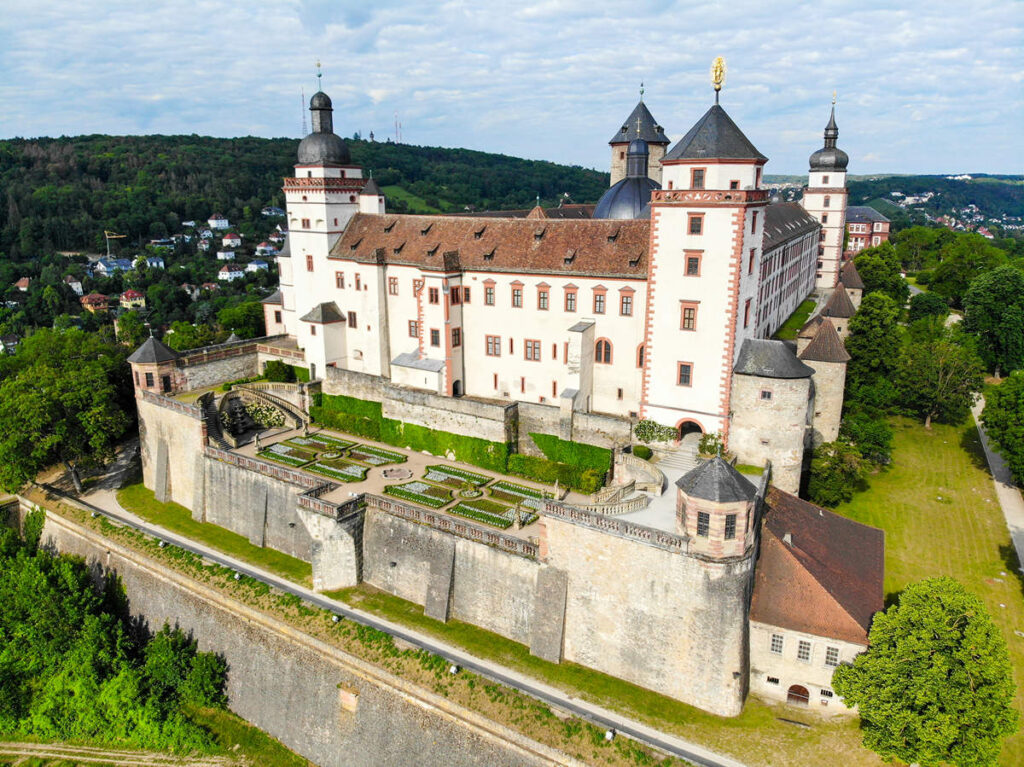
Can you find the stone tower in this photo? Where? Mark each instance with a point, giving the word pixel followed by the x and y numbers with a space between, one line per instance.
pixel 827 355
pixel 153 367
pixel 825 199
pixel 850 277
pixel 639 125
pixel 839 308
pixel 716 507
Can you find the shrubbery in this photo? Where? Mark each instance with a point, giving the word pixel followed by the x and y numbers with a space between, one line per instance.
pixel 542 470
pixel 642 451
pixel 651 431
pixel 575 453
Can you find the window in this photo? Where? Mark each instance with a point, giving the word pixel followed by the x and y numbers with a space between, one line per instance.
pixel 414 329
pixel 826 693
pixel 570 300
pixel 517 298
pixel 312 330
pixel 554 351
pixel 417 286
pixel 824 179
pixel 640 356
pixel 531 349
pixel 703 523
pixel 165 382
pixel 339 280
pixel 489 295
pixel 685 377
pixel 696 223
pixel 149 379
pixel 433 295
pixel 626 305
pixel 730 526
pixel 753 222
pixel 542 299
pixel 511 346
pixel 697 178
pixel 599 303
pixel 309 263
pixel 554 388
pixel 766 394
pixel 746 313
pixel 351 319
pixel 522 384
pixel 493 346
pixel 456 337
pixel 359 284
pixel 828 201
pixel 693 266
pixel 689 317
pixel 831 658
pixel 305 223
pixel 750 260
pixel 776 644
pixel 620 393
pixel 435 337
pixel 277 316
pixel 734 184
pixel 772 680
pixel 495 381
pixel 603 351
pixel 465 295
pixel 393 286
pixel 824 218
pixel 803 651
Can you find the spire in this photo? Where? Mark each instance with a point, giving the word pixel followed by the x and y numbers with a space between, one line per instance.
pixel 641 90
pixel 832 130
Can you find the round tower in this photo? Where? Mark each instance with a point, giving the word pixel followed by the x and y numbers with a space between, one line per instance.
pixel 630 197
pixel 715 507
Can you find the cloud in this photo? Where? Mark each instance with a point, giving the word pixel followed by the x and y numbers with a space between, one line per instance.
pixel 549 79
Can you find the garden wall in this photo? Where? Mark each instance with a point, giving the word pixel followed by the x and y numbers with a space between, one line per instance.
pixel 171 438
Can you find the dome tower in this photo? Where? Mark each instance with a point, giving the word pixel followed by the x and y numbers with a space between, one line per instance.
pixel 630 197
pixel 825 198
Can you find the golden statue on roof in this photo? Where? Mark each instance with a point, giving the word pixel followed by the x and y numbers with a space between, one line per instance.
pixel 718 73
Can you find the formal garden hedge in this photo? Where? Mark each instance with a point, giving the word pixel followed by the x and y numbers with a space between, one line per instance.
pixel 574 453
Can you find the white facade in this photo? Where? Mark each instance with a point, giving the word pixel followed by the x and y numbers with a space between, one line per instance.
pixel 825 199
pixel 217 221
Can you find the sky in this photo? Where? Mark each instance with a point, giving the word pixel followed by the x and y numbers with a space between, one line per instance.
pixel 923 86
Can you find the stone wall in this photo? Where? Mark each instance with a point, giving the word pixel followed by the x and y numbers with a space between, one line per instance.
pixel 171 438
pixel 829 384
pixel 666 621
pixel 324 704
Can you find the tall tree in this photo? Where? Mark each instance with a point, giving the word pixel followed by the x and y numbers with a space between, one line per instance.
pixel 874 340
pixel 994 312
pixel 938 380
pixel 879 269
pixel 963 260
pixel 927 304
pixel 246 319
pixel 935 685
pixel 1003 418
pixel 64 397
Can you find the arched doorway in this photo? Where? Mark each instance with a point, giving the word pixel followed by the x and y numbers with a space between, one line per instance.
pixel 686 428
pixel 457 388
pixel 798 696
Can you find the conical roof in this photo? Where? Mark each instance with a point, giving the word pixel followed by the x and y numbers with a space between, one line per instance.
pixel 850 276
pixel 768 358
pixel 826 345
pixel 839 303
pixel 715 136
pixel 233 338
pixel 153 351
pixel 715 480
pixel 810 328
pixel 371 188
pixel 640 124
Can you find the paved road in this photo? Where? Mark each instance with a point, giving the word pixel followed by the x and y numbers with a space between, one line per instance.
pixel 104 501
pixel 1008 493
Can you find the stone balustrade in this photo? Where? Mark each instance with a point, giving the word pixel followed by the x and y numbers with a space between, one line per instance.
pixel 597 521
pixel 185 408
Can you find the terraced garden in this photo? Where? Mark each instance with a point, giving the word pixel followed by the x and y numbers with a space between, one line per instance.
pixel 455 490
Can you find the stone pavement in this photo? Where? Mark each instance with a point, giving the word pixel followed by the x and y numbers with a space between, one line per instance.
pixel 1008 493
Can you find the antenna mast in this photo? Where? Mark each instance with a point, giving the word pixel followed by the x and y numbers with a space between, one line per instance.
pixel 302 108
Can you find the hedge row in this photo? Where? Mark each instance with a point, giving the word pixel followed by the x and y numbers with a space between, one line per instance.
pixel 573 453
pixel 542 470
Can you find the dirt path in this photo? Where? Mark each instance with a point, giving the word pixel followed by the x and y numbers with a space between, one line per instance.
pixel 19 752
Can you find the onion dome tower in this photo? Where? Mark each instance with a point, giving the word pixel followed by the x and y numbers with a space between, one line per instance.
pixel 830 157
pixel 630 197
pixel 825 198
pixel 323 146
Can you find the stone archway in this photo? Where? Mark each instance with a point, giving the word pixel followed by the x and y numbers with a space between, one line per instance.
pixel 797 695
pixel 687 427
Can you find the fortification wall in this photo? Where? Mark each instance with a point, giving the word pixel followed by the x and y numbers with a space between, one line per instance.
pixel 326 705
pixel 474 582
pixel 829 384
pixel 602 430
pixel 171 437
pixel 658 618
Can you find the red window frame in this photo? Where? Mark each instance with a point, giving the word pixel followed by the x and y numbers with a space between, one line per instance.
pixel 603 351
pixel 492 346
pixel 689 373
pixel 686 307
pixel 691 254
pixel 309 263
pixel 433 295
pixel 531 349
pixel 695 224
pixel 393 286
pixel 693 177
pixel 339 280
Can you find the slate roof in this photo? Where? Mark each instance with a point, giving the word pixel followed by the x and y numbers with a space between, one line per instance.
pixel 273 298
pixel 715 480
pixel 862 214
pixel 153 351
pixel 594 247
pixel 715 136
pixel 839 303
pixel 324 313
pixel 412 360
pixel 371 188
pixel 649 130
pixel 769 358
pixel 827 580
pixel 850 277
pixel 826 345
pixel 785 220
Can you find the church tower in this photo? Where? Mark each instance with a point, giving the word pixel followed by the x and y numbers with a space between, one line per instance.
pixel 825 198
pixel 639 125
pixel 707 227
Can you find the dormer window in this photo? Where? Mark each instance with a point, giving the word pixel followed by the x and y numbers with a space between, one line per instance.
pixel 570 256
pixel 479 232
pixel 614 235
pixel 389 227
pixel 489 256
pixel 433 251
pixel 423 232
pixel 538 234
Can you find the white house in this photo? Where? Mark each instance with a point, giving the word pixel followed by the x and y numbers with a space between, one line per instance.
pixel 217 221
pixel 231 240
pixel 257 266
pixel 155 262
pixel 230 272
pixel 266 249
pixel 225 255
pixel 75 284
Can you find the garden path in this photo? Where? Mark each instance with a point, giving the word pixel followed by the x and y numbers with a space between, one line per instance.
pixel 1008 493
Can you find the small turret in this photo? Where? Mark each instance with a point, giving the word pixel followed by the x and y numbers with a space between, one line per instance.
pixel 715 507
pixel 371 198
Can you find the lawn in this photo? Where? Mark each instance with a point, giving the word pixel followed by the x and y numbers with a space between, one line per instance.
pixel 788 330
pixel 140 501
pixel 416 204
pixel 940 515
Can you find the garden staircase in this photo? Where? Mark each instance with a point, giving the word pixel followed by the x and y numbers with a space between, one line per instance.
pixel 212 419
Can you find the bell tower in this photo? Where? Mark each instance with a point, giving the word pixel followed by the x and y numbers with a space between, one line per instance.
pixel 825 198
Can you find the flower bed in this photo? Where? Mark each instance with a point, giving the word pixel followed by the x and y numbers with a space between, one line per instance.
pixel 481 516
pixel 453 477
pixel 343 471
pixel 492 513
pixel 514 489
pixel 303 443
pixel 422 493
pixel 323 442
pixel 284 450
pixel 374 455
pixel 287 460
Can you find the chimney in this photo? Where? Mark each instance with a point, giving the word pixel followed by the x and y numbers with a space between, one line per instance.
pixel 788 539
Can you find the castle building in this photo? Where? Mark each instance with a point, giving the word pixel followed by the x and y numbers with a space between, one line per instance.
pixel 825 198
pixel 639 125
pixel 865 228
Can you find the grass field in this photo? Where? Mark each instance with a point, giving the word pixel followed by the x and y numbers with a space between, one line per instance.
pixel 940 515
pixel 239 738
pixel 140 501
pixel 416 204
pixel 788 330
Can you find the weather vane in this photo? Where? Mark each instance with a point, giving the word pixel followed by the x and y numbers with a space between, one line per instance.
pixel 718 75
pixel 834 93
pixel 641 90
pixel 319 74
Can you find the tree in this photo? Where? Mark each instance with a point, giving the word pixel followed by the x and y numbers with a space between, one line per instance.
pixel 871 436
pixel 1003 418
pixel 939 380
pixel 963 260
pixel 836 471
pixel 185 336
pixel 245 319
pixel 131 330
pixel 916 247
pixel 874 340
pixel 879 269
pixel 927 304
pixel 64 397
pixel 994 312
pixel 935 685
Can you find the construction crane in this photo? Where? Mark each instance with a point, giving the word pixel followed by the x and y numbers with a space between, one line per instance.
pixel 112 236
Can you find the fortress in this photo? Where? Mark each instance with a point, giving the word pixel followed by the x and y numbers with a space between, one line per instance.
pixel 687 577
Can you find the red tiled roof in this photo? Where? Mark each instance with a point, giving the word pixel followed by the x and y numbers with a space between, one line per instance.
pixel 839 303
pixel 850 276
pixel 594 247
pixel 825 579
pixel 23 282
pixel 94 298
pixel 129 294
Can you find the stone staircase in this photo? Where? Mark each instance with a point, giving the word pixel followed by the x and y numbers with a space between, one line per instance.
pixel 677 462
pixel 212 419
